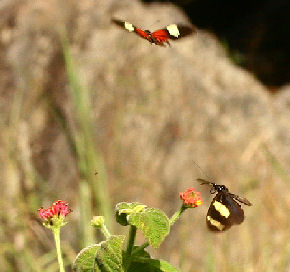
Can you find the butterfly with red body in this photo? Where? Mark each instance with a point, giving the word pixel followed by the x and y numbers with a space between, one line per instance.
pixel 161 36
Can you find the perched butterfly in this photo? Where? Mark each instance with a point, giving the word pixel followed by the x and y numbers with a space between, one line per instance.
pixel 224 210
pixel 161 36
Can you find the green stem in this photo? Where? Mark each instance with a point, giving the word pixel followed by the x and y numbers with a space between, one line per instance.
pixel 139 248
pixel 177 214
pixel 105 231
pixel 132 235
pixel 56 233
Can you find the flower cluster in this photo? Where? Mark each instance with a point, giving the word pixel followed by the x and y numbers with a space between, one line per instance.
pixel 54 215
pixel 191 198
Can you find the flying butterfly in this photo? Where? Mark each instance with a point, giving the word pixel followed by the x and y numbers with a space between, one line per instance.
pixel 224 210
pixel 161 36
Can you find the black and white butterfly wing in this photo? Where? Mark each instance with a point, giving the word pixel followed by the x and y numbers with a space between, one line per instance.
pixel 131 28
pixel 224 212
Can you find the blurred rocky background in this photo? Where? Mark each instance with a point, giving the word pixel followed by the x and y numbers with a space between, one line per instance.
pixel 80 95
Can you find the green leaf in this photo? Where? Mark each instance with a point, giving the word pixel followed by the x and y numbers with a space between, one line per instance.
pixel 137 266
pixel 123 209
pixel 139 263
pixel 109 257
pixel 140 253
pixel 153 223
pixel 105 256
pixel 162 265
pixel 141 267
pixel 85 260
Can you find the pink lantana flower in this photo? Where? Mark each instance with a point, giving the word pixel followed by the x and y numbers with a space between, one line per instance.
pixel 54 216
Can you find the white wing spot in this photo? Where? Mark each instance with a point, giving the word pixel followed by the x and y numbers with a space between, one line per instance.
pixel 215 223
pixel 173 30
pixel 222 209
pixel 129 26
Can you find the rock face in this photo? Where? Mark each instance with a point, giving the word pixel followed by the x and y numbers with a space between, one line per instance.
pixel 156 111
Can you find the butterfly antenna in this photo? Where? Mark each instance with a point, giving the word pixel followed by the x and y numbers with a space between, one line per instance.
pixel 203 172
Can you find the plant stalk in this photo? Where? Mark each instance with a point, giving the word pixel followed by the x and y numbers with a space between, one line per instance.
pixel 132 235
pixel 177 214
pixel 56 234
pixel 106 232
pixel 139 248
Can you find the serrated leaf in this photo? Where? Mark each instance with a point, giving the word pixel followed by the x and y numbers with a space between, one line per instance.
pixel 153 223
pixel 85 260
pixel 109 257
pixel 124 208
pixel 105 256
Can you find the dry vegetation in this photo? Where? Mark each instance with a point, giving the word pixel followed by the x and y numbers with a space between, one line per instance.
pixel 78 95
